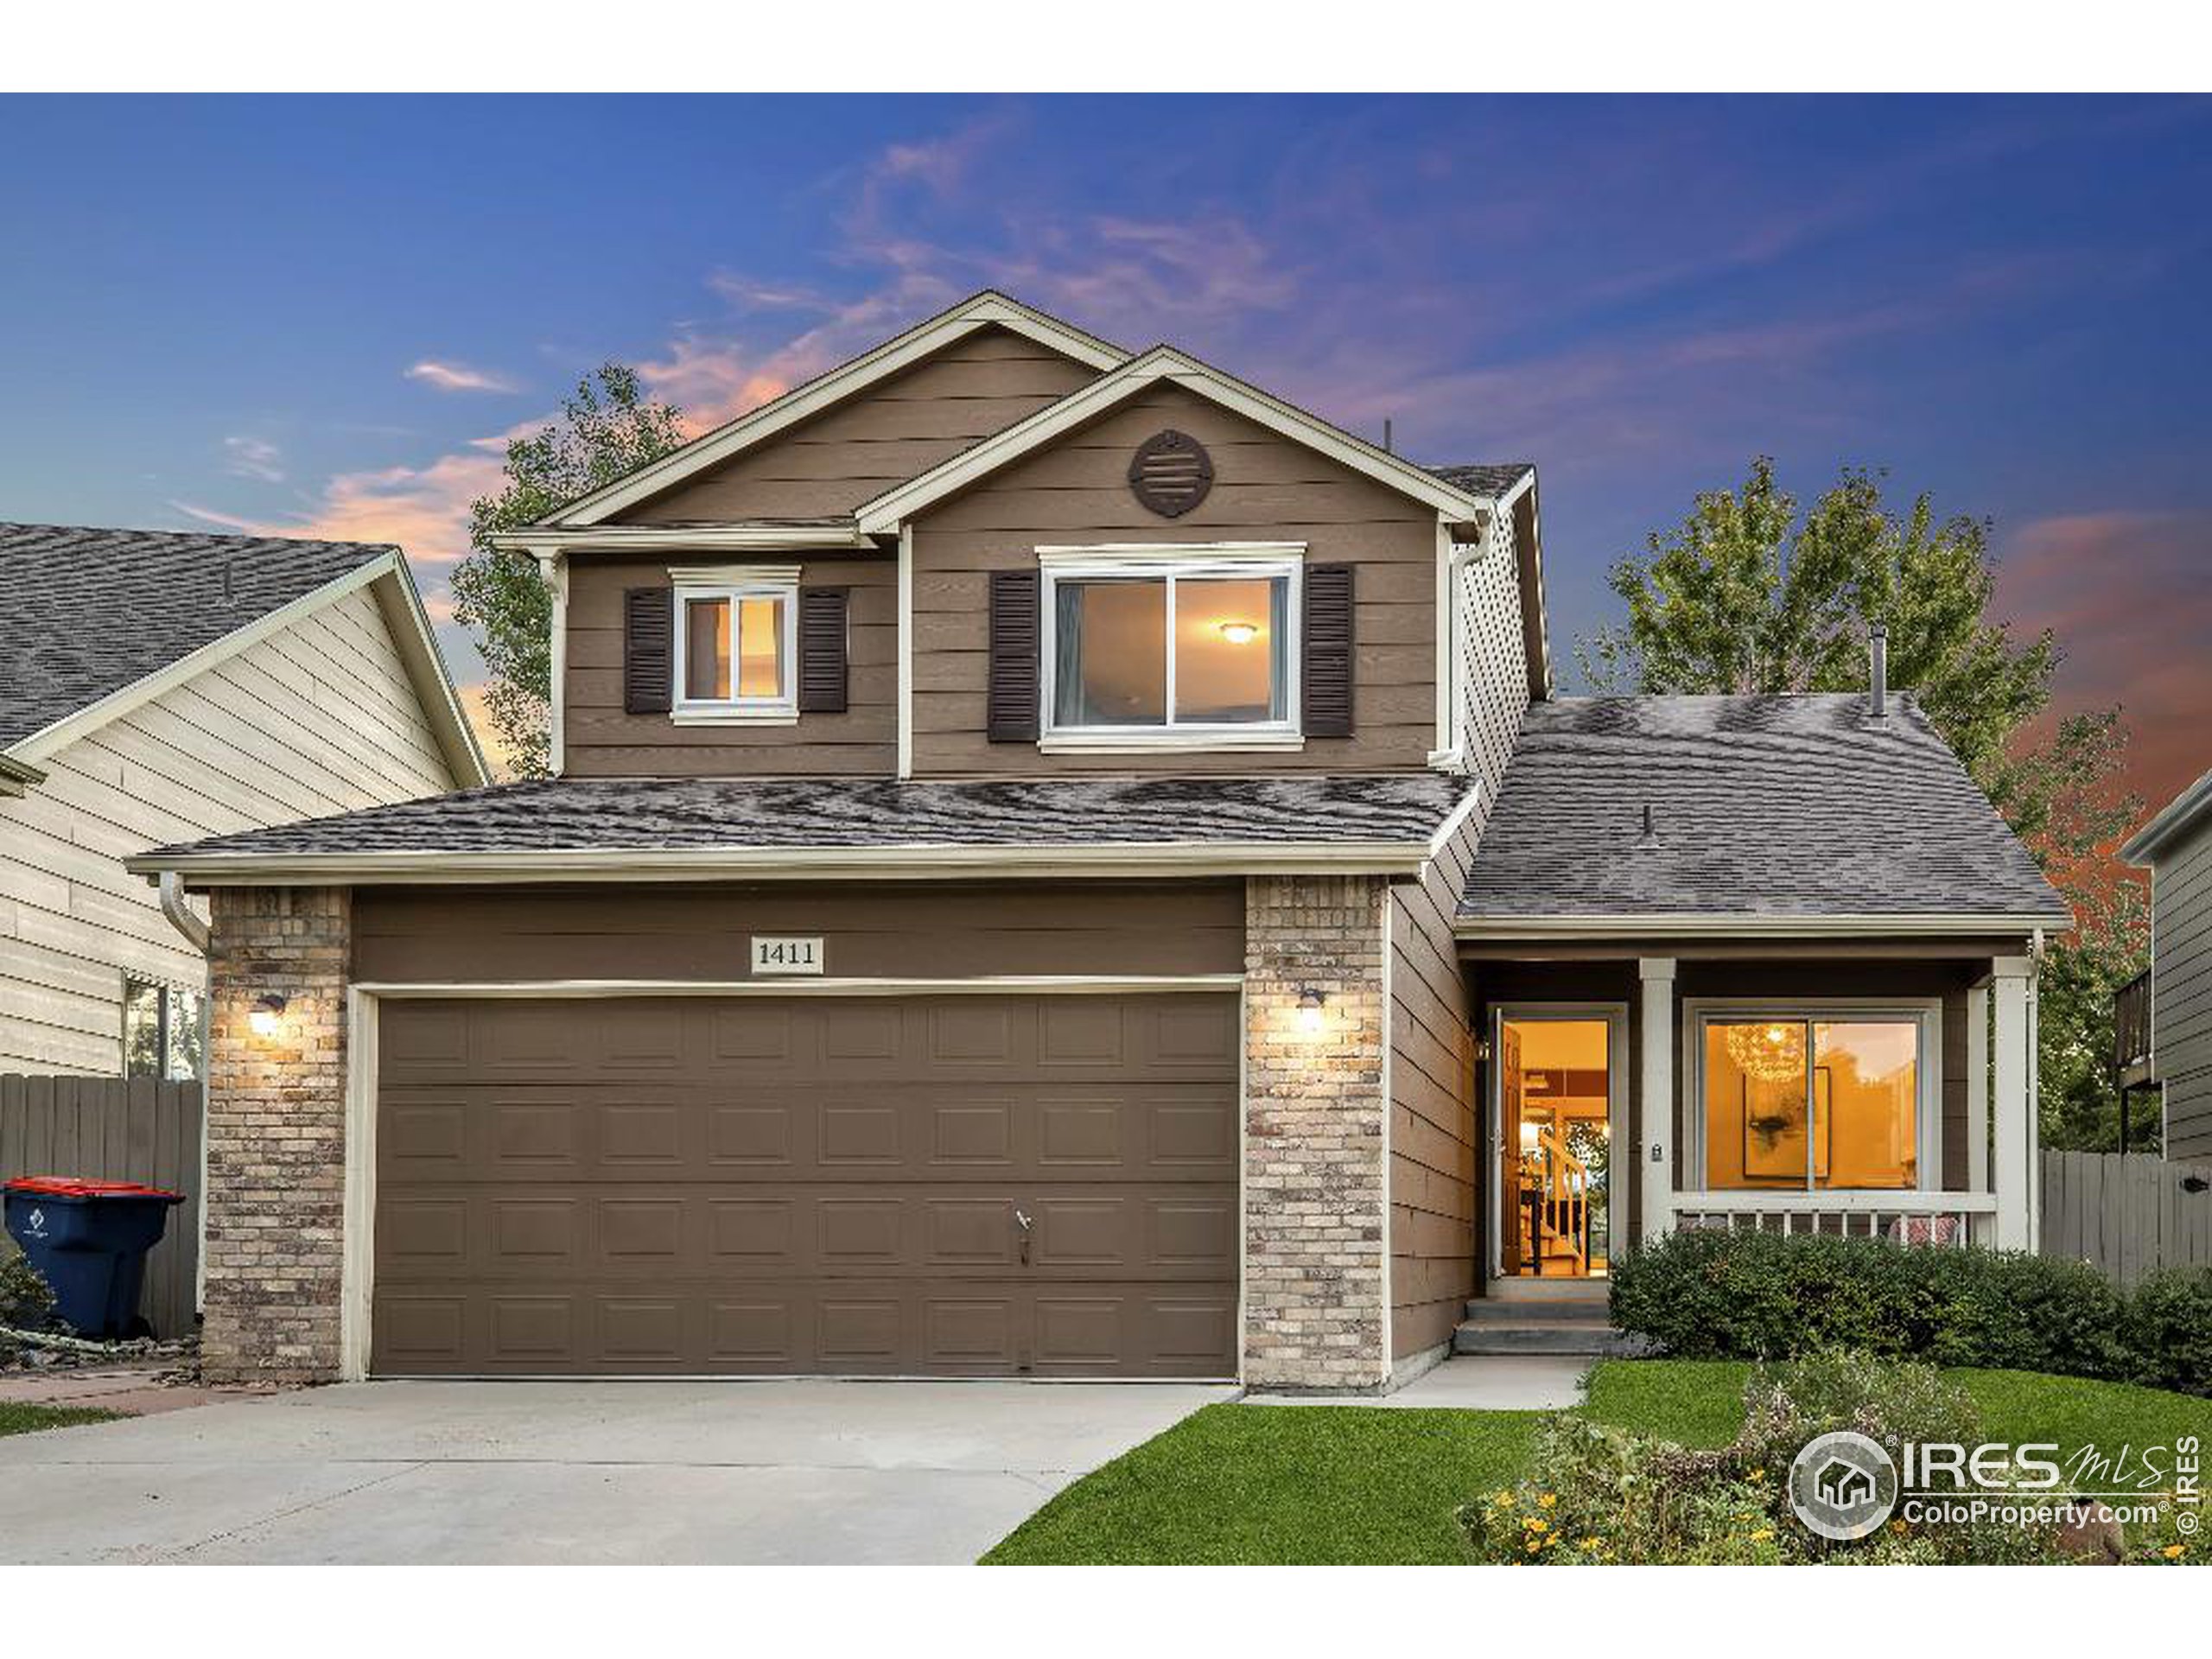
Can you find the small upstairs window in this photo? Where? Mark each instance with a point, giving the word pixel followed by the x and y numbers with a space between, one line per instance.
pixel 735 647
pixel 1192 652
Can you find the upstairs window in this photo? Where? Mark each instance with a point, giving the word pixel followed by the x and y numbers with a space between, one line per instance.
pixel 1195 650
pixel 735 644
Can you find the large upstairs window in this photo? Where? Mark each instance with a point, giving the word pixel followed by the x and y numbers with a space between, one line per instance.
pixel 1150 647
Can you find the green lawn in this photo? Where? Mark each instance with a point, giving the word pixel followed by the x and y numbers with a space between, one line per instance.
pixel 1365 1484
pixel 26 1419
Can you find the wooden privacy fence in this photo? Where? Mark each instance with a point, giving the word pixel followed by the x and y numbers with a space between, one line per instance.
pixel 117 1130
pixel 2127 1214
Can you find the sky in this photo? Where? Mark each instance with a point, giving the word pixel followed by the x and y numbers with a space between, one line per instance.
pixel 323 316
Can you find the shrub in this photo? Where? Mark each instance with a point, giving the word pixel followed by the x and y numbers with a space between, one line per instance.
pixel 1759 1295
pixel 26 1303
pixel 1595 1494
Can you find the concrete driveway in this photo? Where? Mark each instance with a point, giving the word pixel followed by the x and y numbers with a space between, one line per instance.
pixel 767 1471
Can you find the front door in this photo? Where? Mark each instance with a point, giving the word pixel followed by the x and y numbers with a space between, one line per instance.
pixel 1556 1108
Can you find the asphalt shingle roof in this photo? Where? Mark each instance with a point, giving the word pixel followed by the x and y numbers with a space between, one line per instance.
pixel 86 612
pixel 618 815
pixel 1486 478
pixel 1761 806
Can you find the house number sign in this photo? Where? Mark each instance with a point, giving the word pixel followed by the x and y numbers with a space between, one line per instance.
pixel 786 956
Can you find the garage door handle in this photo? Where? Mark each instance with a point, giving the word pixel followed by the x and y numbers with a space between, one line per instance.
pixel 1023 1222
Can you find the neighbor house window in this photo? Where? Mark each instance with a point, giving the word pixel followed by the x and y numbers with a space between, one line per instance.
pixel 1816 1102
pixel 1159 648
pixel 164 1031
pixel 735 645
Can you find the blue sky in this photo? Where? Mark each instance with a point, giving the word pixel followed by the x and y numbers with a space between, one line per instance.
pixel 322 314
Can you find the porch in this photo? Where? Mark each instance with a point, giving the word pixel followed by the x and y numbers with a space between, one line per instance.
pixel 1864 1087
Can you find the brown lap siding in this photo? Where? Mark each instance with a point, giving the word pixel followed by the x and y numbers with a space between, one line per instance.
pixel 1075 493
pixel 651 932
pixel 601 740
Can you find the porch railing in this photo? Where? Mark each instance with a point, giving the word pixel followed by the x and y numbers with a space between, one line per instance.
pixel 2131 1029
pixel 1902 1217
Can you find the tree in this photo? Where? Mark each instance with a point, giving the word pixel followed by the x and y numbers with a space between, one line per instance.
pixel 608 428
pixel 1747 596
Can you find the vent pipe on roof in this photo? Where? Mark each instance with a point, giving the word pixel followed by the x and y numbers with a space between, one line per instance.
pixel 1879 644
pixel 1650 829
pixel 1386 448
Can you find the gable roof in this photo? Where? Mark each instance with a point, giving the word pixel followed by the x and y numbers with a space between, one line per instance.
pixel 571 829
pixel 986 309
pixel 2177 816
pixel 1166 363
pixel 95 618
pixel 1769 810
pixel 1500 480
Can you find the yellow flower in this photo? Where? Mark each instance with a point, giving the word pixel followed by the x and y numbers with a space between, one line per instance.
pixel 1549 1500
pixel 1503 1500
pixel 1533 1545
pixel 1535 1525
pixel 1898 1528
pixel 1592 1544
pixel 1762 1534
pixel 1756 1474
pixel 2175 1552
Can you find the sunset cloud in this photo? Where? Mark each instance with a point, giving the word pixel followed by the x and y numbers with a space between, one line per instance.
pixel 458 377
pixel 2129 595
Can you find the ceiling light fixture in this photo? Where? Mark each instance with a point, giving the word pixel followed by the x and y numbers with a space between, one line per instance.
pixel 1240 634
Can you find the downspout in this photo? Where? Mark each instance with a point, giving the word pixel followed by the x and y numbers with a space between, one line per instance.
pixel 182 916
pixel 2035 1093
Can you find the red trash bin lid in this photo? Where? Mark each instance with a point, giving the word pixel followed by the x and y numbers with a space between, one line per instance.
pixel 72 1186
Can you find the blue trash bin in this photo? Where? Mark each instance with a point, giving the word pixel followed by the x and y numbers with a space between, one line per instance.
pixel 88 1241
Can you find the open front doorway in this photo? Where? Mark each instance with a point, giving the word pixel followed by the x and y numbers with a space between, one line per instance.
pixel 1557 1112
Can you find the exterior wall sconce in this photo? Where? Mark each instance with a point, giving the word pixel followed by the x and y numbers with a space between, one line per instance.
pixel 1310 1004
pixel 268 1011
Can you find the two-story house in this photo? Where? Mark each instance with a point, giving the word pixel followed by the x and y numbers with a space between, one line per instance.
pixel 1063 863
pixel 2164 1022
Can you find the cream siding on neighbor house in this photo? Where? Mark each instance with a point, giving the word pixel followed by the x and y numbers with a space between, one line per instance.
pixel 319 717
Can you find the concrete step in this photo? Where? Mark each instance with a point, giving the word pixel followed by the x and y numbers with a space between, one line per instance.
pixel 1543 1289
pixel 1535 1312
pixel 1595 1341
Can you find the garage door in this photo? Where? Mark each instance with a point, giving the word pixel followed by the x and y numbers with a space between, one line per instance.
pixel 951 1185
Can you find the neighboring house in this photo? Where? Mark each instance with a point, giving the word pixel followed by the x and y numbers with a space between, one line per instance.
pixel 154 686
pixel 1066 864
pixel 2166 1017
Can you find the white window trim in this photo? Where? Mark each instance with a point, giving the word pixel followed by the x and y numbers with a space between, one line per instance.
pixel 1927 1099
pixel 1237 561
pixel 735 583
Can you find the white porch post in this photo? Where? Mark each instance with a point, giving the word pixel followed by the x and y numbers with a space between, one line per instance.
pixel 1978 1100
pixel 2014 1153
pixel 1655 1162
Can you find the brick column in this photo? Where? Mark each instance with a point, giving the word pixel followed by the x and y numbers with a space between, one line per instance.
pixel 275 1135
pixel 1315 1189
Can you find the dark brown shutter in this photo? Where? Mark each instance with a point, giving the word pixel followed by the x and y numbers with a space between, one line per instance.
pixel 648 651
pixel 822 650
pixel 1011 713
pixel 1326 660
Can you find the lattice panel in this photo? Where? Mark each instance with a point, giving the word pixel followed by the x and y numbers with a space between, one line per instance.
pixel 1490 670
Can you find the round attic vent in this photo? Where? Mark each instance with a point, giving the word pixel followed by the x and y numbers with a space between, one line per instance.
pixel 1171 473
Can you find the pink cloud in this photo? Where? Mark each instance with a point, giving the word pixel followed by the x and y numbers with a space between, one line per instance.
pixel 2128 596
pixel 457 376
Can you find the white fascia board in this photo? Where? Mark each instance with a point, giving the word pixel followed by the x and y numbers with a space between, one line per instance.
pixel 882 516
pixel 1453 824
pixel 698 538
pixel 901 352
pixel 432 679
pixel 2169 820
pixel 1743 925
pixel 910 863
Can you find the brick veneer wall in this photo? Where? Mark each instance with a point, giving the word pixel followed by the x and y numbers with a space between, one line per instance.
pixel 1314 1194
pixel 275 1135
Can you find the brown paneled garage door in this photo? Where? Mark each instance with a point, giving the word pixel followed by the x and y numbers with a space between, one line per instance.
pixel 807 1184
